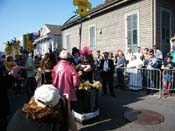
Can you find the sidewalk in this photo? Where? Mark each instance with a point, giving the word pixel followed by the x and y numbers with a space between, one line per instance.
pixel 112 109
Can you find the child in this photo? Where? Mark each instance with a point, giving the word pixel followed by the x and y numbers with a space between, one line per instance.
pixel 167 73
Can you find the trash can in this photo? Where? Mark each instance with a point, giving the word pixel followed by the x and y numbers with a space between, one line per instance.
pixel 87 105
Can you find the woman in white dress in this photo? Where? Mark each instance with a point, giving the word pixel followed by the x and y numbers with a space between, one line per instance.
pixel 135 80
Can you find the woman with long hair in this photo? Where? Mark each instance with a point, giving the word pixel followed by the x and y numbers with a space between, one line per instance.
pixel 46 111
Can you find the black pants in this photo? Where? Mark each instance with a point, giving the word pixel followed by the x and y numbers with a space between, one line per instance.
pixel 107 80
pixel 120 76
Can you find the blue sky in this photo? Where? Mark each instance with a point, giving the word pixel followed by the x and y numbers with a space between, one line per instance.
pixel 18 17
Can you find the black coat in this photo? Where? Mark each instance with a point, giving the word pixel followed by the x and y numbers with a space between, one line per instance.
pixel 110 65
pixel 4 82
pixel 19 122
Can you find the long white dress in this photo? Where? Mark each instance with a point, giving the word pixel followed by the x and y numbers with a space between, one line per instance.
pixel 135 79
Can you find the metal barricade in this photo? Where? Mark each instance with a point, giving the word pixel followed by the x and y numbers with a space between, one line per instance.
pixel 138 78
pixel 152 79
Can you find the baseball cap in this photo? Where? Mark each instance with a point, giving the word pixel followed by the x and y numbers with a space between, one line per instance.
pixel 47 95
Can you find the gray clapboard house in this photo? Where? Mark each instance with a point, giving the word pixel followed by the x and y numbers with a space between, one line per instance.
pixel 118 24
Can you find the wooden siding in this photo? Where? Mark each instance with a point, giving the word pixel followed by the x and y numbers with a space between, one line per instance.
pixel 112 26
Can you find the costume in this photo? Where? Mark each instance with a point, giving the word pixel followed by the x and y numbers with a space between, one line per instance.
pixel 86 107
pixel 65 78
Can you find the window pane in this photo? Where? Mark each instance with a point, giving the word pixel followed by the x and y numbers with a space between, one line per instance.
pixel 92 36
pixel 134 23
pixel 129 22
pixel 68 41
pixel 129 37
pixel 134 36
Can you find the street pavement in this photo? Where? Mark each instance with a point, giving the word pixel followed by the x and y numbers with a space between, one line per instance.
pixel 112 110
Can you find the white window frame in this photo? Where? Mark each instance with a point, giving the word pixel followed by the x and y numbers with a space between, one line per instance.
pixel 169 11
pixel 66 44
pixel 138 28
pixel 95 45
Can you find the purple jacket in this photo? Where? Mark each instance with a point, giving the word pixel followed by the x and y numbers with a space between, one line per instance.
pixel 65 78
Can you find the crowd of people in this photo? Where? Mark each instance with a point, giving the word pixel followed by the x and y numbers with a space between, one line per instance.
pixel 64 75
pixel 50 82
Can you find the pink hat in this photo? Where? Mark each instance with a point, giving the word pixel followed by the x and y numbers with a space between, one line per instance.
pixel 85 51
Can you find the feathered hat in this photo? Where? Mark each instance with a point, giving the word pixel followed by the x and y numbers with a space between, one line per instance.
pixel 85 51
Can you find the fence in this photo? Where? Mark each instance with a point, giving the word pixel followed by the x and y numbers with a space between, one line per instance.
pixel 139 78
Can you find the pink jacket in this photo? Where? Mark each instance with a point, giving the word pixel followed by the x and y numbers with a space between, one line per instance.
pixel 65 78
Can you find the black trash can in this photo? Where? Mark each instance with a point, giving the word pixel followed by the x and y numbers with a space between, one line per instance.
pixel 87 101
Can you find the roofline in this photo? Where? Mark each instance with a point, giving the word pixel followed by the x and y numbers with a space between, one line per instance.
pixel 51 25
pixel 95 12
pixel 40 39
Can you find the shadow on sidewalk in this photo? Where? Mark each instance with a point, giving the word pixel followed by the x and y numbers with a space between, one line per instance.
pixel 111 111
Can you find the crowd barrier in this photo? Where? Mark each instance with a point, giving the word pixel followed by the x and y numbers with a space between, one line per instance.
pixel 139 78
pixel 143 78
pixel 132 78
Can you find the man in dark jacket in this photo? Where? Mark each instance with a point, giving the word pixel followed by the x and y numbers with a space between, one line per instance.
pixel 5 108
pixel 107 67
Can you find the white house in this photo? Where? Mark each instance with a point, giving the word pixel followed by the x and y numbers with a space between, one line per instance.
pixel 49 38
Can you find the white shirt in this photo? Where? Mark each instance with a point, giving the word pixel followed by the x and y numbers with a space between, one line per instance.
pixel 128 56
pixel 105 66
pixel 138 55
pixel 135 63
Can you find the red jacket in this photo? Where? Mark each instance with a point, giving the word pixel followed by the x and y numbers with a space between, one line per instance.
pixel 65 78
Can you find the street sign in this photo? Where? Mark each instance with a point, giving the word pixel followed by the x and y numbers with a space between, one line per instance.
pixel 83 5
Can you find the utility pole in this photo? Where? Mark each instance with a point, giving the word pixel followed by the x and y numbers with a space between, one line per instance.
pixel 80 32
